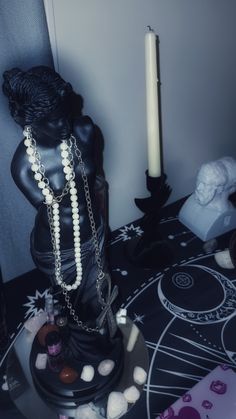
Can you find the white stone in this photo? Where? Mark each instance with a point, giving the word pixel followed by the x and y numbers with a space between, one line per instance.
pixel 105 367
pixel 121 316
pixel 223 259
pixel 117 405
pixel 41 361
pixel 132 394
pixel 87 373
pixel 85 412
pixel 139 375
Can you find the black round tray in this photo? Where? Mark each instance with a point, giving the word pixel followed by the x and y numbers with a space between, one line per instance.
pixel 67 396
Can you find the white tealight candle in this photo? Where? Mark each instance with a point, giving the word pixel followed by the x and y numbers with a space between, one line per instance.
pixel 152 108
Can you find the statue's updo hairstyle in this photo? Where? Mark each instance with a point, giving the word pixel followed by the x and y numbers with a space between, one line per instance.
pixel 35 93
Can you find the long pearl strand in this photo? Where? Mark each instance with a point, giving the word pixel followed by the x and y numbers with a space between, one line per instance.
pixel 53 202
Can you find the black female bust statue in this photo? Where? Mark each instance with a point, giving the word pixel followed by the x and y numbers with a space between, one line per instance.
pixel 54 167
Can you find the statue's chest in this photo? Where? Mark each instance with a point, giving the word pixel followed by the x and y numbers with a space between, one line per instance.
pixel 54 170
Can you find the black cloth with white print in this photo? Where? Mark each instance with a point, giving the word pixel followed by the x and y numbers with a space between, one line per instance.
pixel 185 311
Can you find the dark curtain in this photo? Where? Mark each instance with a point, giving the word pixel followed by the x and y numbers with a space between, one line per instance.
pixel 24 43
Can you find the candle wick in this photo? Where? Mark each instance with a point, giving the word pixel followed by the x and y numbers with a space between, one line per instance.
pixel 149 28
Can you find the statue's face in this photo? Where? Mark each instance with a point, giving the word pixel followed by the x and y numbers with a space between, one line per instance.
pixel 56 126
pixel 204 192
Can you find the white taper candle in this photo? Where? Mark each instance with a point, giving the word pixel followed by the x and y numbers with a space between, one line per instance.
pixel 152 108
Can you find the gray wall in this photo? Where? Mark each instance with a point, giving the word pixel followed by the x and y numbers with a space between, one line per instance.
pixel 24 43
pixel 99 48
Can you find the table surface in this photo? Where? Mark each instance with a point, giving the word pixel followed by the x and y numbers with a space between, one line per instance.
pixel 185 311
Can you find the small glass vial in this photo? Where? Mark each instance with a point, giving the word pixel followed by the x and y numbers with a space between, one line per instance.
pixel 55 351
pixel 49 308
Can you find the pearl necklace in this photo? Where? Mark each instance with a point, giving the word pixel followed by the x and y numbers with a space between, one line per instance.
pixel 52 201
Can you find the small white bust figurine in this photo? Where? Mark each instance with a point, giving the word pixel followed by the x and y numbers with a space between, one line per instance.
pixel 208 212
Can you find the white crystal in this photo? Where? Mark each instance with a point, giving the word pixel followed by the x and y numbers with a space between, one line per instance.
pixel 105 367
pixel 132 394
pixel 85 412
pixel 41 361
pixel 87 373
pixel 223 259
pixel 117 405
pixel 139 375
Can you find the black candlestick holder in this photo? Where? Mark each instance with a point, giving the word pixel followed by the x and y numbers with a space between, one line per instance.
pixel 151 250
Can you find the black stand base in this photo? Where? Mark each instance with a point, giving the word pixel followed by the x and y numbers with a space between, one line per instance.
pixel 67 396
pixel 151 251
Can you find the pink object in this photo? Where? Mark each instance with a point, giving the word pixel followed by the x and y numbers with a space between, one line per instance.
pixel 213 397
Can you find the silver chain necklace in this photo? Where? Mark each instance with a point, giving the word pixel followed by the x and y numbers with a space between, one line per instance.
pixel 52 201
